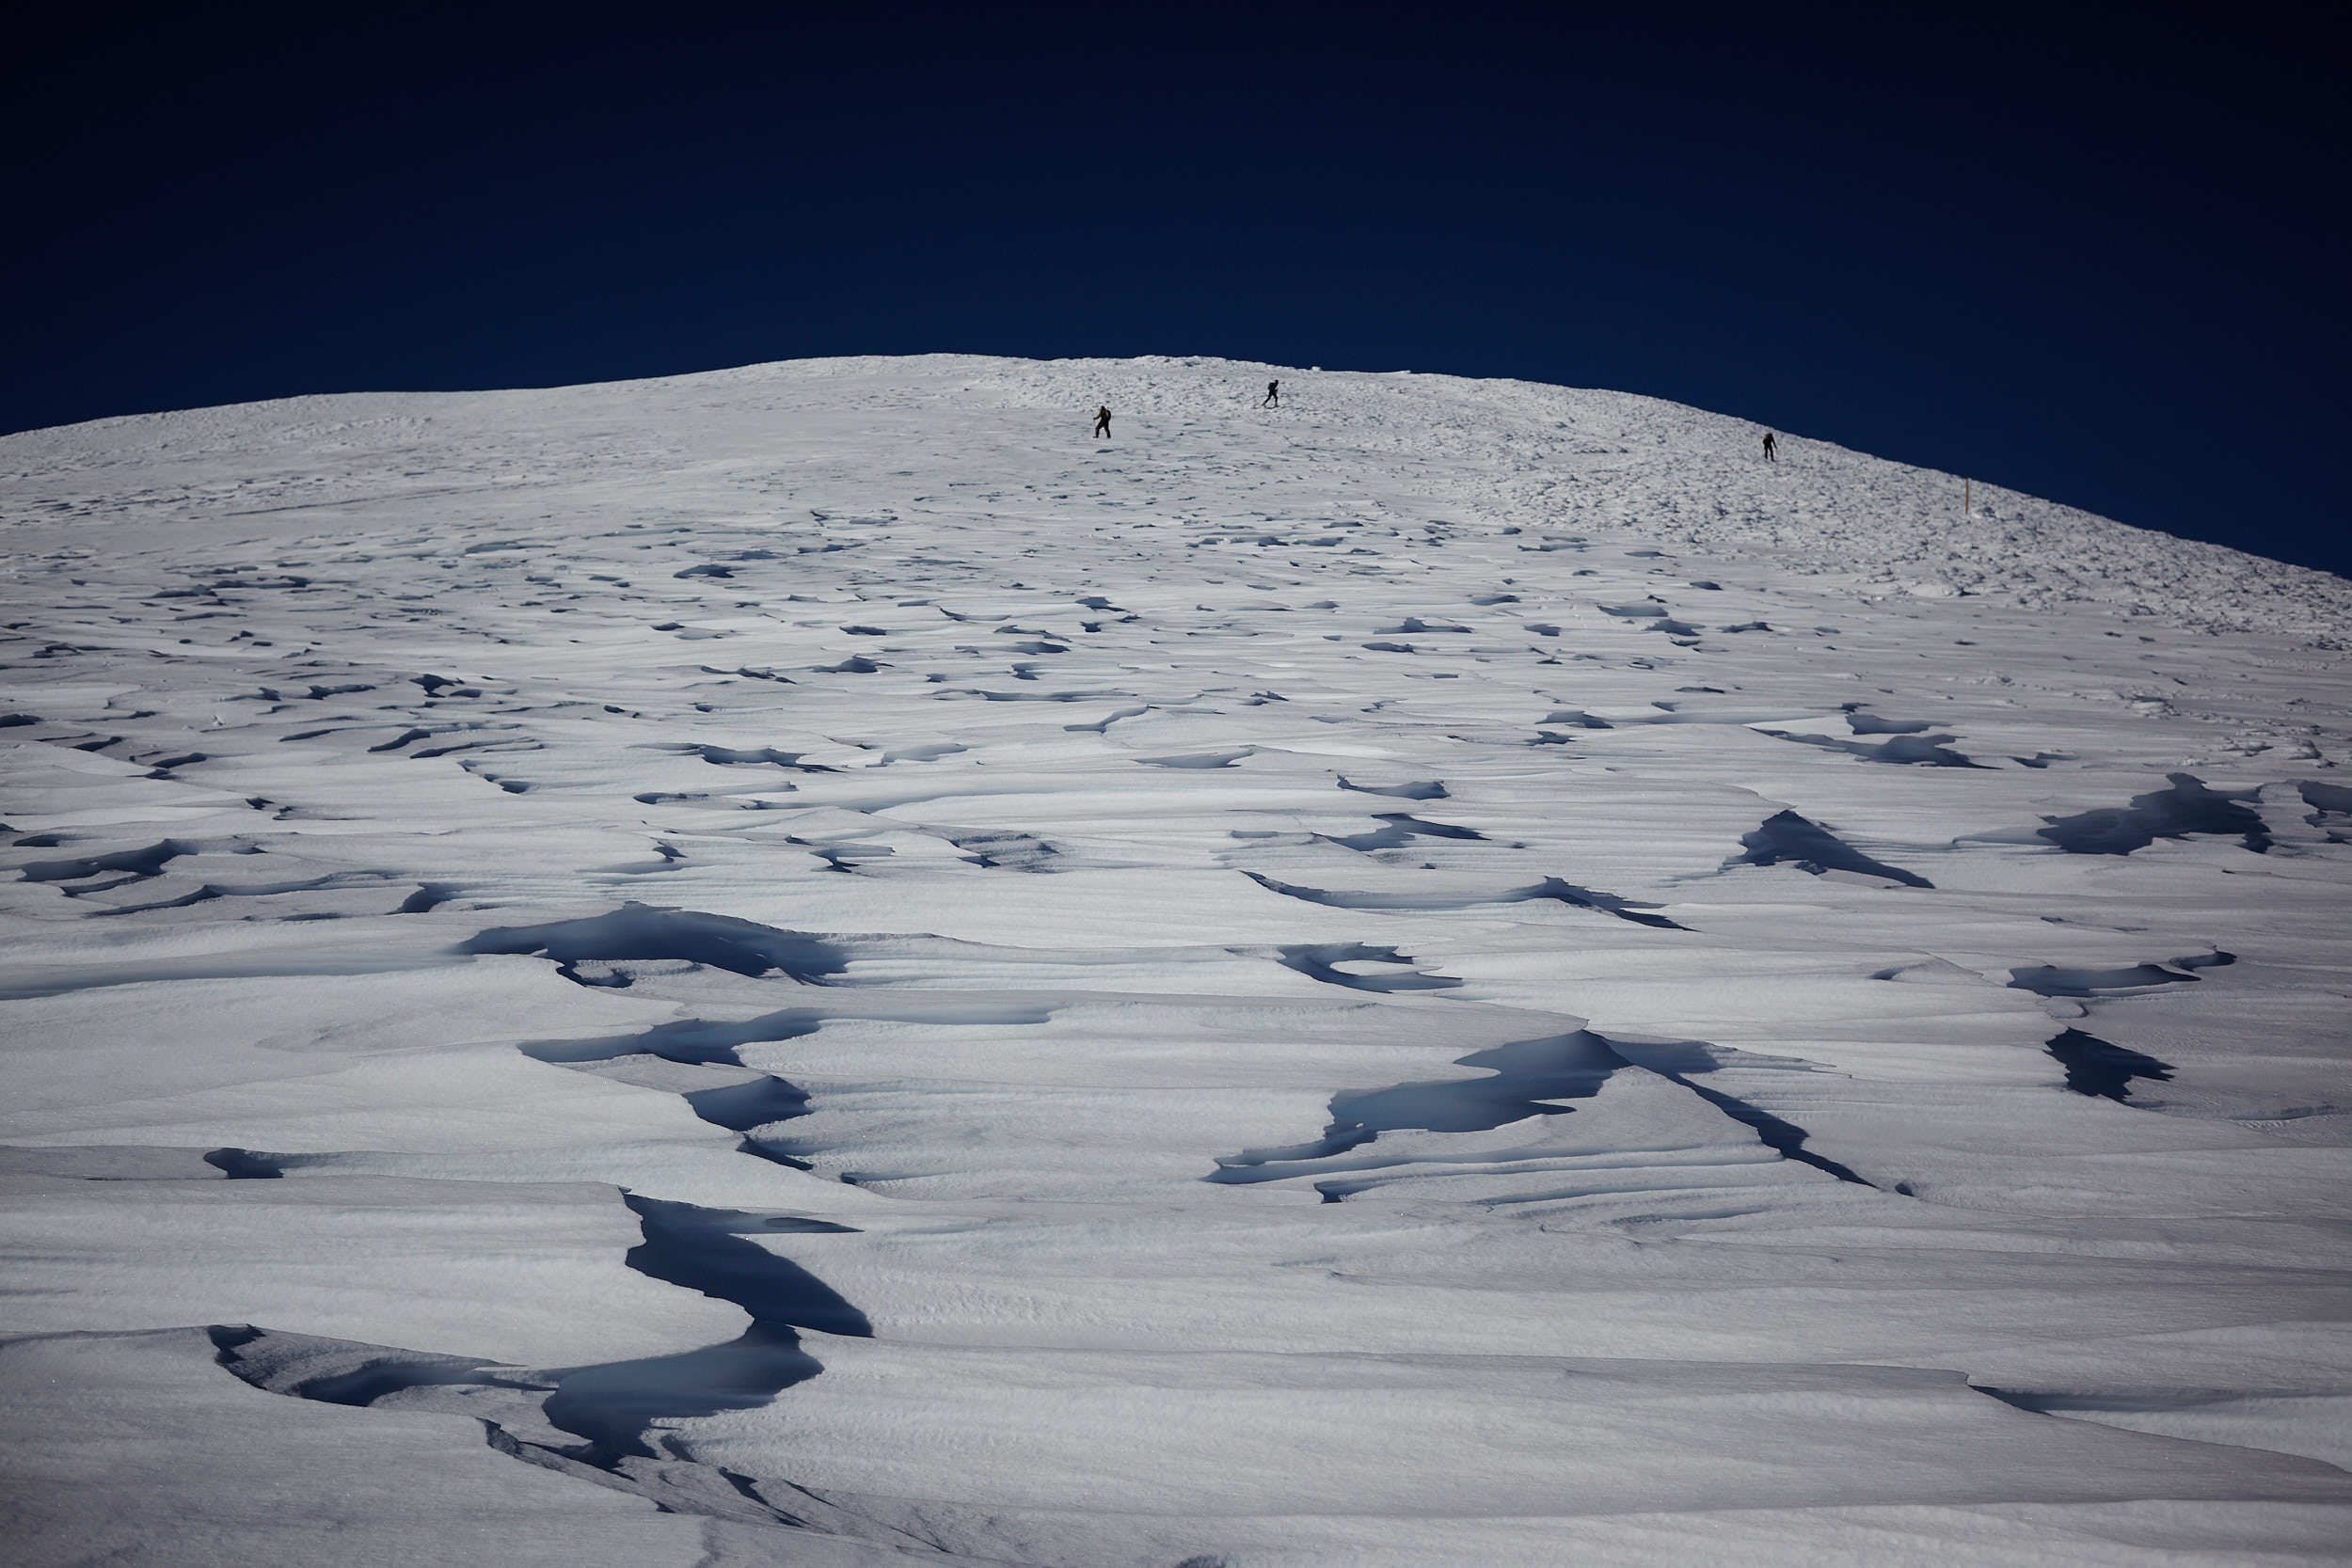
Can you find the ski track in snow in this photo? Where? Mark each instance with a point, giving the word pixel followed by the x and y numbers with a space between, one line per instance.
pixel 799 964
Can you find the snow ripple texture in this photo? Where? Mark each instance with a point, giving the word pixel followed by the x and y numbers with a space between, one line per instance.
pixel 802 965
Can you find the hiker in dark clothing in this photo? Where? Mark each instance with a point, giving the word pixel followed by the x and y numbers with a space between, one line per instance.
pixel 1772 448
pixel 1273 395
pixel 1102 421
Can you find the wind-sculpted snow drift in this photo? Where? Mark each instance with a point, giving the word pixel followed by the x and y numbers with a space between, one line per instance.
pixel 801 966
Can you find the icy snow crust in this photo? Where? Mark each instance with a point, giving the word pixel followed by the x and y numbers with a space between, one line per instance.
pixel 801 965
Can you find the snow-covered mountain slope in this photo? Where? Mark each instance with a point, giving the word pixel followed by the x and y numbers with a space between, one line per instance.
pixel 802 965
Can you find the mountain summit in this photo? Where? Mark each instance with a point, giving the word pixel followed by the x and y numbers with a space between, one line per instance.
pixel 812 964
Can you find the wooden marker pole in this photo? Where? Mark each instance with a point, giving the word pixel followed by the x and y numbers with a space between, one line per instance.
pixel 1964 498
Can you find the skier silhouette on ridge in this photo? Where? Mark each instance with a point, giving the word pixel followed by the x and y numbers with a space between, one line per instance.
pixel 1102 421
pixel 1273 395
pixel 1772 448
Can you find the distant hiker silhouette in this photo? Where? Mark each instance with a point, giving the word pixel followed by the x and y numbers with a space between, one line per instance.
pixel 1102 421
pixel 1772 448
pixel 1273 395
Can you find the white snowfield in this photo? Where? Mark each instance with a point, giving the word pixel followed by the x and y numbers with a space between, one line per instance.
pixel 805 965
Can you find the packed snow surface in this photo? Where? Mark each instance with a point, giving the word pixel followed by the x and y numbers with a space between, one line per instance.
pixel 806 965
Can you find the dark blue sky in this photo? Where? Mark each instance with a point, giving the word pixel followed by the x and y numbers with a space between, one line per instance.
pixel 2098 254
